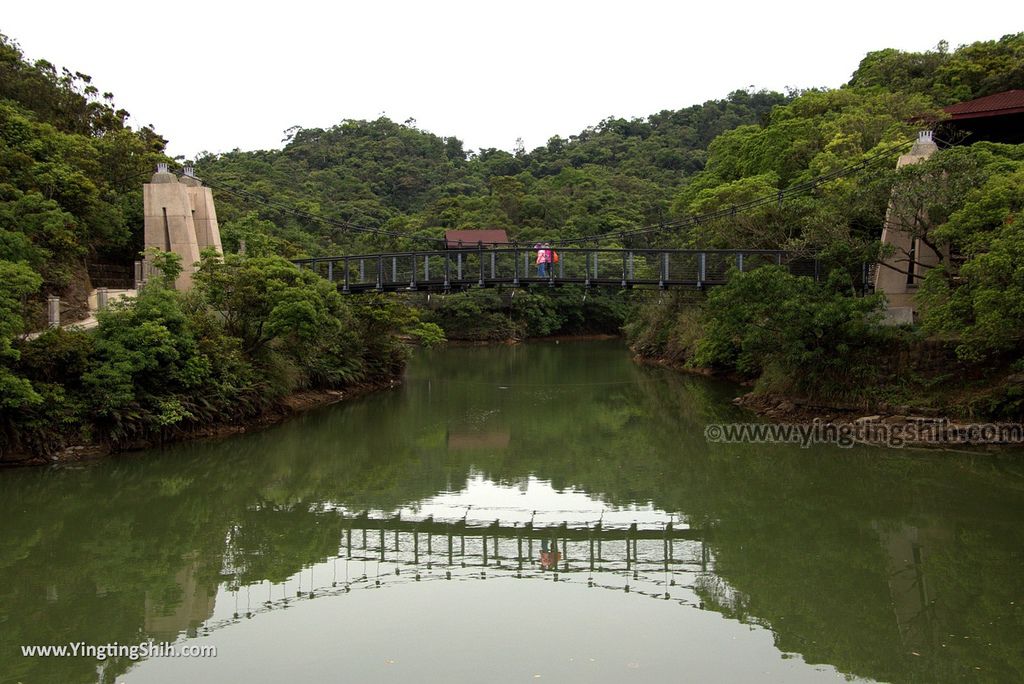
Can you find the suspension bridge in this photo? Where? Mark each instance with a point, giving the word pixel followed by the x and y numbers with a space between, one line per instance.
pixel 492 265
pixel 180 218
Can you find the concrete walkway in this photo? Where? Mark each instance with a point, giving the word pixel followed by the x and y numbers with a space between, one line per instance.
pixel 90 322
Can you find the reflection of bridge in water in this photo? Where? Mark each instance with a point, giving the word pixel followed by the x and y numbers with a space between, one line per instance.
pixel 375 553
pixel 415 541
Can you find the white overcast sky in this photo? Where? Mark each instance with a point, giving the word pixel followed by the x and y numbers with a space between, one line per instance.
pixel 216 76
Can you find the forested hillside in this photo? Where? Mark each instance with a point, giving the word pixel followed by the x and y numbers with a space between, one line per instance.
pixel 613 176
pixel 70 170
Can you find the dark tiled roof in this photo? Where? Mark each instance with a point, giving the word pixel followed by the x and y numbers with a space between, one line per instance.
pixel 471 238
pixel 1009 102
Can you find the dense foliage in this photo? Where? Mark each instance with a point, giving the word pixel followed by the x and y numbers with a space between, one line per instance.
pixel 70 170
pixel 976 296
pixel 498 315
pixel 975 70
pixel 400 178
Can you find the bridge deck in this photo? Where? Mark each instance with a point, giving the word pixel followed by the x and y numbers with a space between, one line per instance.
pixel 564 530
pixel 454 269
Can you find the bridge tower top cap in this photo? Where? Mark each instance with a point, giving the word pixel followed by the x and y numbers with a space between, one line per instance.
pixel 162 175
pixel 924 147
pixel 188 176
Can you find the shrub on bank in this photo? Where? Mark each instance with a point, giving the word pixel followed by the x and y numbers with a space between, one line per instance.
pixel 769 324
pixel 770 318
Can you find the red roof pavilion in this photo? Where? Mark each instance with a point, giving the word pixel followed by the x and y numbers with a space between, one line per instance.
pixel 473 238
pixel 998 117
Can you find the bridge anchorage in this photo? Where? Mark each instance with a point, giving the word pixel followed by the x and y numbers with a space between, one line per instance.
pixel 455 269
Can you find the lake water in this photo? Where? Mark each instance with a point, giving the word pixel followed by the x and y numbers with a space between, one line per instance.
pixel 512 514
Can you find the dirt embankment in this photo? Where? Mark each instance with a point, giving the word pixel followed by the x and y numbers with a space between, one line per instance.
pixel 902 426
pixel 930 399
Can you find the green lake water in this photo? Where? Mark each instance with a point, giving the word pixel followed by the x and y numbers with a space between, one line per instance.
pixel 447 531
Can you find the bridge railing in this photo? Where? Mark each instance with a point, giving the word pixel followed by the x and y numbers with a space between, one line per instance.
pixel 457 268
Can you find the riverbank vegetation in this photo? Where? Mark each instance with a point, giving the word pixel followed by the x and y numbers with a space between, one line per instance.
pixel 825 342
pixel 509 314
pixel 168 364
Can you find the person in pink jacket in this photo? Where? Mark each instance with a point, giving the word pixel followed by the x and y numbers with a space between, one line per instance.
pixel 545 258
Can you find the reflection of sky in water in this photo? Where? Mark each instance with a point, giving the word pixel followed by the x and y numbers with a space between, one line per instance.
pixel 480 630
pixel 482 501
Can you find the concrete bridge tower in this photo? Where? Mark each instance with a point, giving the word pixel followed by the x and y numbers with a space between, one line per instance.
pixel 899 276
pixel 180 217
